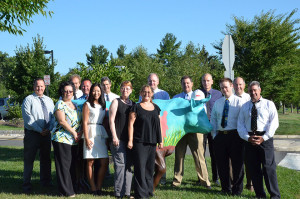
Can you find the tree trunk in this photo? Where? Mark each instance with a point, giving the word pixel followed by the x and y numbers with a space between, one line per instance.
pixel 291 108
pixel 283 108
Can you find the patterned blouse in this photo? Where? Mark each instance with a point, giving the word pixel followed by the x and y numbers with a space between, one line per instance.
pixel 73 117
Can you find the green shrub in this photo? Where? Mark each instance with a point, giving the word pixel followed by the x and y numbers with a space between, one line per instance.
pixel 14 111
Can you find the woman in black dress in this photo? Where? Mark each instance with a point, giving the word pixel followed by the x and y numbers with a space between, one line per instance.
pixel 144 134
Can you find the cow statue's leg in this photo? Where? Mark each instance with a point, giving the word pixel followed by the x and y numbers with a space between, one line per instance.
pixel 160 164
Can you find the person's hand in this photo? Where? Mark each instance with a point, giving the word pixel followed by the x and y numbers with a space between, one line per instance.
pixel 79 134
pixel 130 144
pixel 45 132
pixel 160 145
pixel 115 141
pixel 255 139
pixel 89 144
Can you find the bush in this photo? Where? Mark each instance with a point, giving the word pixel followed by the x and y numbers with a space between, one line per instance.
pixel 14 111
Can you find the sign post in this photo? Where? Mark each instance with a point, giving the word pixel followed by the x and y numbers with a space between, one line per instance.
pixel 228 56
pixel 47 83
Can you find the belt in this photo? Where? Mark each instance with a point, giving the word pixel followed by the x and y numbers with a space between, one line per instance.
pixel 227 132
pixel 95 123
pixel 259 133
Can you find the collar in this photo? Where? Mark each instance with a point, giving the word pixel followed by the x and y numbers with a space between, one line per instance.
pixel 35 95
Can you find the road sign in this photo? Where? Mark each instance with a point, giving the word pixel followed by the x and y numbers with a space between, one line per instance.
pixel 47 80
pixel 228 56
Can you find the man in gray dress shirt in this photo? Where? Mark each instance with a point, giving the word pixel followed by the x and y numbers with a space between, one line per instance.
pixel 257 123
pixel 37 112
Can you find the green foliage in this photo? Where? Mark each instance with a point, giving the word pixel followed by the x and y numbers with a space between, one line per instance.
pixel 14 111
pixel 14 13
pixel 267 51
pixel 98 55
pixel 30 63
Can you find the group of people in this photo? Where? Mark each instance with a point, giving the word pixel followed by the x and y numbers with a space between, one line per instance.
pixel 243 127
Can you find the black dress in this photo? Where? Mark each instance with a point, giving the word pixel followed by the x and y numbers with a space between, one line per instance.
pixel 146 135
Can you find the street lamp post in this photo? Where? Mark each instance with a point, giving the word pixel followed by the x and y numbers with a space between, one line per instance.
pixel 49 52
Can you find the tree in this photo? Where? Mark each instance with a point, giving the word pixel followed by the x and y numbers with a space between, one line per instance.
pixel 30 63
pixel 6 62
pixel 121 51
pixel 262 45
pixel 98 55
pixel 169 49
pixel 13 14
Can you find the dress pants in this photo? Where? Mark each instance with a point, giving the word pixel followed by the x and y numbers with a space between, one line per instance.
pixel 34 141
pixel 144 162
pixel 230 146
pixel 262 164
pixel 122 158
pixel 208 138
pixel 65 156
pixel 195 142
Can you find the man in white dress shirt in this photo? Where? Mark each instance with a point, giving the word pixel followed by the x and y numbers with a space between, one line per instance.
pixel 227 143
pixel 257 123
pixel 76 79
pixel 195 142
pixel 239 88
pixel 108 95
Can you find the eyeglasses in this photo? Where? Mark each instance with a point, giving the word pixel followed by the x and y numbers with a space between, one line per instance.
pixel 68 91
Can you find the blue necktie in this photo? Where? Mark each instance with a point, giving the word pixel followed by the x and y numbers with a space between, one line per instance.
pixel 46 114
pixel 225 114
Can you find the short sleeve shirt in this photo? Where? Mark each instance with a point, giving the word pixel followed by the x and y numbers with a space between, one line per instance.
pixel 73 118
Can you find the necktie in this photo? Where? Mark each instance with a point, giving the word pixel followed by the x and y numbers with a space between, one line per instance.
pixel 208 107
pixel 46 114
pixel 86 97
pixel 253 118
pixel 107 97
pixel 187 97
pixel 225 114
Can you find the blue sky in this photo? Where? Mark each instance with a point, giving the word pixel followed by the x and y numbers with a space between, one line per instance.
pixel 77 25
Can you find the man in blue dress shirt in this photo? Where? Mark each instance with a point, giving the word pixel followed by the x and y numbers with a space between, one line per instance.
pixel 195 142
pixel 37 112
pixel 153 81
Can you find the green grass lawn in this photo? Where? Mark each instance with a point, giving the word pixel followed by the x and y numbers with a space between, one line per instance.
pixel 5 127
pixel 11 164
pixel 289 124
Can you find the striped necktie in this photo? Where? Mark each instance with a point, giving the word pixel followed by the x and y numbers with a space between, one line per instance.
pixel 46 114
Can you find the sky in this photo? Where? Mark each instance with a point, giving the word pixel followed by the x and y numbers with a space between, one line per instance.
pixel 76 25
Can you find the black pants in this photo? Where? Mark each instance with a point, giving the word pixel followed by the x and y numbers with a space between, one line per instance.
pixel 230 146
pixel 213 163
pixel 65 164
pixel 262 165
pixel 144 161
pixel 34 141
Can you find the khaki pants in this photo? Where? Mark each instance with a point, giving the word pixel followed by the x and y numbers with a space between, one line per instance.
pixel 195 142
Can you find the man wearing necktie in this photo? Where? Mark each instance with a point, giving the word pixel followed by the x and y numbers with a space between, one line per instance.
pixel 108 95
pixel 194 141
pixel 227 143
pixel 37 112
pixel 257 123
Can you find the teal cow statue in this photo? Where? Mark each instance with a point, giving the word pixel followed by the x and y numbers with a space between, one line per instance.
pixel 178 117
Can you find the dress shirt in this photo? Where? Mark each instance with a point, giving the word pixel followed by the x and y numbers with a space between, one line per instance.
pixel 83 97
pixel 111 96
pixel 33 114
pixel 215 95
pixel 158 94
pixel 235 104
pixel 245 97
pixel 267 119
pixel 183 94
pixel 78 94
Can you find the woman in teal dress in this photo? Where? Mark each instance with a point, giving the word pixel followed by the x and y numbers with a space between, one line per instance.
pixel 65 134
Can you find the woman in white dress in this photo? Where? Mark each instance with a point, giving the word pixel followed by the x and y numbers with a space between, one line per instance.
pixel 95 148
